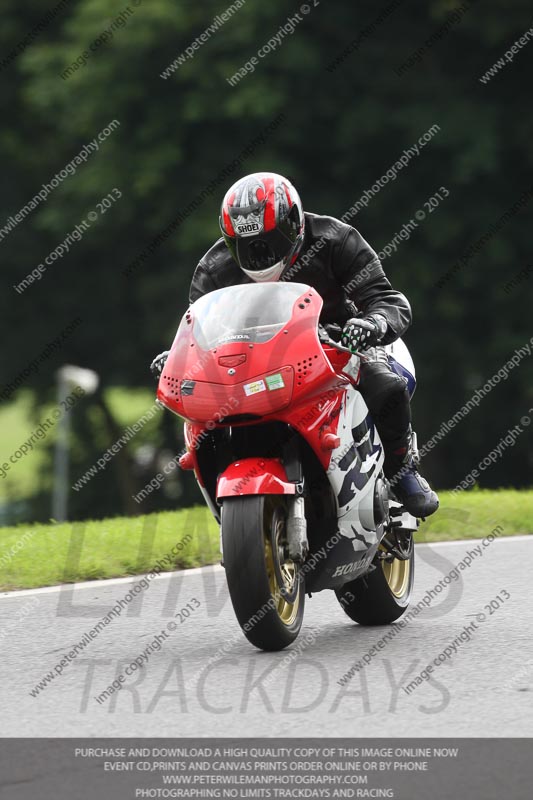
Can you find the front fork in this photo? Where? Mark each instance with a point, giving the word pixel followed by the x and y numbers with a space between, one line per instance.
pixel 298 544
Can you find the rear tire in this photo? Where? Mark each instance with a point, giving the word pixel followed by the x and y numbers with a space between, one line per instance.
pixel 267 590
pixel 383 595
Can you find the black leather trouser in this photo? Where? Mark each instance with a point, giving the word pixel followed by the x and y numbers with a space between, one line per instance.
pixel 388 401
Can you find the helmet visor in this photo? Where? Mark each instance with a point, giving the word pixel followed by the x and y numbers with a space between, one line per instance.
pixel 256 253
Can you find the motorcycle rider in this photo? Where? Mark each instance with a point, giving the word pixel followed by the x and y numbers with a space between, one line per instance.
pixel 266 236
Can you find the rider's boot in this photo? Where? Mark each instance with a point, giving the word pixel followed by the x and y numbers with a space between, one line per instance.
pixel 412 490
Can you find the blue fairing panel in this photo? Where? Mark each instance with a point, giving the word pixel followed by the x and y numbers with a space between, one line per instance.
pixel 403 373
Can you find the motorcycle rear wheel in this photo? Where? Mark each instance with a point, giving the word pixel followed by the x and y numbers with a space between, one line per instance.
pixel 383 595
pixel 267 589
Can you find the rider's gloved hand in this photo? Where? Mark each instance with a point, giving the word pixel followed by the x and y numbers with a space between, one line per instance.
pixel 158 364
pixel 359 333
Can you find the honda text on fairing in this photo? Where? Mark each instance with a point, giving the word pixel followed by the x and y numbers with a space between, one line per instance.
pixel 288 459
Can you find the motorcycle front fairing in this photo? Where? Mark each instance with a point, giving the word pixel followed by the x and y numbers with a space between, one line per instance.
pixel 246 354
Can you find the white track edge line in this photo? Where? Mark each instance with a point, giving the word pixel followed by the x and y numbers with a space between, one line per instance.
pixel 102 584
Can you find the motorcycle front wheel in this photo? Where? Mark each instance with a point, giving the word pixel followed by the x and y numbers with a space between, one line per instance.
pixel 267 589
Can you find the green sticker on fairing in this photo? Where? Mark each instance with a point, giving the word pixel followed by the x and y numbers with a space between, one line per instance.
pixel 275 381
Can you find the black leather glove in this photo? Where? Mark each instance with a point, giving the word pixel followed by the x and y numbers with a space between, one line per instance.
pixel 359 333
pixel 158 364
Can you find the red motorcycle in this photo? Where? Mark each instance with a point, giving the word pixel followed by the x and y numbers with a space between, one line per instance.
pixel 288 459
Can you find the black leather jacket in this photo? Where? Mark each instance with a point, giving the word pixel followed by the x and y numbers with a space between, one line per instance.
pixel 336 261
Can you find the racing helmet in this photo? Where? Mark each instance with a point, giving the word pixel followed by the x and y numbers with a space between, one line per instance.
pixel 262 222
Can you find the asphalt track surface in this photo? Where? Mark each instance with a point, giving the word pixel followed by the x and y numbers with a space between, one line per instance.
pixel 206 680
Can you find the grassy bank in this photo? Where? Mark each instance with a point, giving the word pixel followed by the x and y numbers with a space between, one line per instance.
pixel 45 555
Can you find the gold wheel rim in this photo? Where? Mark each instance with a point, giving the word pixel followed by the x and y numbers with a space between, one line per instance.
pixel 287 612
pixel 397 574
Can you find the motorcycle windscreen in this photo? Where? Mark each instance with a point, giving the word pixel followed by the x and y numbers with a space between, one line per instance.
pixel 248 314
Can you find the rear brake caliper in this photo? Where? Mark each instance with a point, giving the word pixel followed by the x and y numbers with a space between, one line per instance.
pixel 398 539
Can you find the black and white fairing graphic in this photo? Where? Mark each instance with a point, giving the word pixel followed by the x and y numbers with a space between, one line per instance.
pixel 355 465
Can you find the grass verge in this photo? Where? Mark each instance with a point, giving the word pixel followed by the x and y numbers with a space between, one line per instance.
pixel 45 555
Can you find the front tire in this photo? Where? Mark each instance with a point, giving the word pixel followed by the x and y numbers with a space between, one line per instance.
pixel 267 589
pixel 383 595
